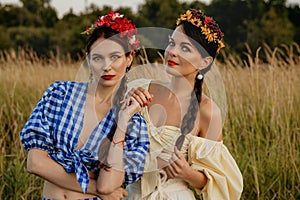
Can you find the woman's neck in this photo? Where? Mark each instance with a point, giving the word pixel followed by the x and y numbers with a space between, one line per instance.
pixel 102 94
pixel 182 86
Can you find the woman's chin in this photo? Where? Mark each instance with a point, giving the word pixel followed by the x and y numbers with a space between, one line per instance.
pixel 172 71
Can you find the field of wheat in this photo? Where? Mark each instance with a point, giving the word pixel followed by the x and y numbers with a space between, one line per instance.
pixel 261 129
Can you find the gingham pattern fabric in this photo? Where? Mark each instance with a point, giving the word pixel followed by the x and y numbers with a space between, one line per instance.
pixel 56 123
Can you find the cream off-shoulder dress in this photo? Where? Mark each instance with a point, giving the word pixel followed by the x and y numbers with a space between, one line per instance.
pixel 224 179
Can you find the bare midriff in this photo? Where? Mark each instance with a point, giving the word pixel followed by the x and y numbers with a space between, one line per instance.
pixel 52 191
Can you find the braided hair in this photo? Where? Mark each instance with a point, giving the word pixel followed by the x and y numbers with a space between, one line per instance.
pixel 107 32
pixel 206 49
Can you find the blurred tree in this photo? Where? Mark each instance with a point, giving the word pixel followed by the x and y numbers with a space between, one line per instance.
pixel 230 15
pixel 40 13
pixel 34 6
pixel 66 35
pixel 12 15
pixel 196 5
pixel 274 28
pixel 39 39
pixel 35 23
pixel 294 16
pixel 160 13
pixel 5 42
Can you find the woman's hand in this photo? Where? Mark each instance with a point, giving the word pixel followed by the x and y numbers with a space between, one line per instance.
pixel 141 95
pixel 132 103
pixel 128 108
pixel 178 167
pixel 117 194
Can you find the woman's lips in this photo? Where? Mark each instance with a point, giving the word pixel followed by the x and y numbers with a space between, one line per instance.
pixel 107 77
pixel 172 63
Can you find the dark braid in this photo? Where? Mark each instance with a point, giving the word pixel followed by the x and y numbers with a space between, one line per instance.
pixel 206 49
pixel 105 144
pixel 189 118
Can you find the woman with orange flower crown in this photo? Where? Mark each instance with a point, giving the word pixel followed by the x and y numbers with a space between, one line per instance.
pixel 83 139
pixel 185 125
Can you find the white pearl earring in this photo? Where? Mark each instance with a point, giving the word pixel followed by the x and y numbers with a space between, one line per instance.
pixel 200 76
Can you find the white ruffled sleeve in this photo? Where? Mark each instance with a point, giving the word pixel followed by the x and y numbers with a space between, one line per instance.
pixel 224 179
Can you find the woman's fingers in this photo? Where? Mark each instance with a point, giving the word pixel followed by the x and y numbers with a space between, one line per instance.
pixel 131 93
pixel 141 95
pixel 169 172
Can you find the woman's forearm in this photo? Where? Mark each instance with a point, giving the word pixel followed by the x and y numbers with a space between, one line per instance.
pixel 112 178
pixel 196 178
pixel 40 164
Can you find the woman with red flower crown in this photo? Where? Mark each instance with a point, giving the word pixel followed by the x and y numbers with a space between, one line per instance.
pixel 83 139
pixel 185 125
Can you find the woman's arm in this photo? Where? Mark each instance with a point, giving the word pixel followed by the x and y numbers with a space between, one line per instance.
pixel 210 127
pixel 40 164
pixel 111 178
pixel 180 168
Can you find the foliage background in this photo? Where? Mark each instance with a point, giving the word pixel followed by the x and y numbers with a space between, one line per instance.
pixel 35 24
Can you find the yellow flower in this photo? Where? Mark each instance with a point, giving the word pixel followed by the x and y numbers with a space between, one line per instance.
pixel 188 15
pixel 221 45
pixel 205 30
pixel 210 34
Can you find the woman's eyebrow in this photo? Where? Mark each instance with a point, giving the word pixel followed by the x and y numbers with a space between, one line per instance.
pixel 99 54
pixel 116 52
pixel 187 43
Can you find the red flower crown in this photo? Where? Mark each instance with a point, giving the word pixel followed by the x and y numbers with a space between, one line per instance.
pixel 208 26
pixel 117 22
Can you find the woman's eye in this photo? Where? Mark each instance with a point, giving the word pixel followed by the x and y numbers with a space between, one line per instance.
pixel 115 57
pixel 185 49
pixel 97 59
pixel 171 43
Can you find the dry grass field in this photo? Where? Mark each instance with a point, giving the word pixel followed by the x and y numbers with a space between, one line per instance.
pixel 261 129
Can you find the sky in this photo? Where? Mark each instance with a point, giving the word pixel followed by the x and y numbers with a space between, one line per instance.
pixel 63 6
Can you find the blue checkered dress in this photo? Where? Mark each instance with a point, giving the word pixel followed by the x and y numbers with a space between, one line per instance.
pixel 56 123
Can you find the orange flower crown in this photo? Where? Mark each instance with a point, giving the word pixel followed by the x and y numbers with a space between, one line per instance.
pixel 208 26
pixel 119 23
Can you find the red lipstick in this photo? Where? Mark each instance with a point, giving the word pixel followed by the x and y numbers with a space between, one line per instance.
pixel 172 63
pixel 107 77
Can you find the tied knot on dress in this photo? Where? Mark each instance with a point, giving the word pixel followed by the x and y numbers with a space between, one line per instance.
pixel 74 162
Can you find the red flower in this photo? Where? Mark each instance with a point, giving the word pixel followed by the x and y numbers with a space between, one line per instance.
pixel 119 23
pixel 207 20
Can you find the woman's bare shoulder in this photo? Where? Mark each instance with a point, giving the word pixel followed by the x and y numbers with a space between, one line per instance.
pixel 210 123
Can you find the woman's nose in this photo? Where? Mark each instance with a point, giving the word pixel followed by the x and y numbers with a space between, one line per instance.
pixel 172 51
pixel 106 66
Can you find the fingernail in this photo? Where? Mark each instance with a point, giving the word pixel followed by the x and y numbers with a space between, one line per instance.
pixel 146 103
pixel 150 99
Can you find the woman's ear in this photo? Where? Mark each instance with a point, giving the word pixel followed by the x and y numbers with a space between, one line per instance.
pixel 206 61
pixel 129 60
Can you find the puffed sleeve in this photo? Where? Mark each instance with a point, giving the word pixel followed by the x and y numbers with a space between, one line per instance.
pixel 135 148
pixel 224 179
pixel 37 132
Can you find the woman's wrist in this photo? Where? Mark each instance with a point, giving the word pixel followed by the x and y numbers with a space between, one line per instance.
pixel 118 141
pixel 195 178
pixel 123 120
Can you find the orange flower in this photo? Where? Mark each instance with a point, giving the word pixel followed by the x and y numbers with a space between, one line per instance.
pixel 209 28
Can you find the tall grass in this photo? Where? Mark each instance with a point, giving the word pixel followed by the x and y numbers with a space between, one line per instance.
pixel 261 128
